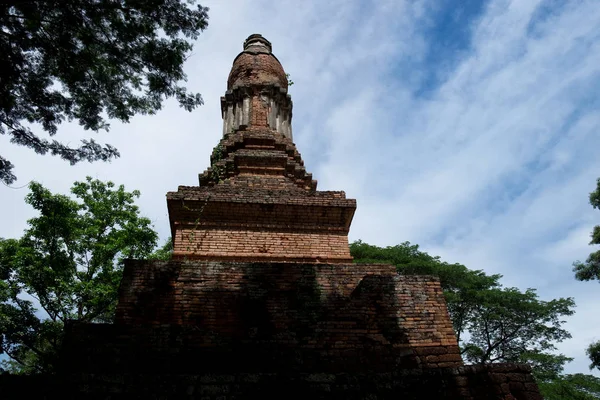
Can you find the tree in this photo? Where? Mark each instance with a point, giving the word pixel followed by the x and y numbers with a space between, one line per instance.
pixel 88 60
pixel 509 325
pixel 573 387
pixel 591 268
pixel 164 253
pixel 492 323
pixel 69 263
pixel 554 385
pixel 593 352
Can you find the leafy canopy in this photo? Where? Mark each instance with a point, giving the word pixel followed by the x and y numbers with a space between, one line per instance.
pixel 69 264
pixel 571 387
pixel 88 61
pixel 593 352
pixel 590 269
pixel 163 253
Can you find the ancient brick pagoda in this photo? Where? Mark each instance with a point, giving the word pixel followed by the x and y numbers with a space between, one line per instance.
pixel 261 299
pixel 261 262
pixel 257 202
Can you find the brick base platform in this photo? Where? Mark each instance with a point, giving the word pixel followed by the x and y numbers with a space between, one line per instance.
pixel 263 317
pixel 309 309
pixel 498 382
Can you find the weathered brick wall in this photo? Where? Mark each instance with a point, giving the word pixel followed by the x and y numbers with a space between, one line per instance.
pixel 253 245
pixel 336 315
pixel 253 218
pixel 263 140
pixel 259 111
pixel 498 382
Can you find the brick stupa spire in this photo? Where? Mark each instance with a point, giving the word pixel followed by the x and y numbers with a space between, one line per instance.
pixel 256 202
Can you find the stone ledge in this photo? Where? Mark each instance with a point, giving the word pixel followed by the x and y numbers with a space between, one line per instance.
pixel 257 257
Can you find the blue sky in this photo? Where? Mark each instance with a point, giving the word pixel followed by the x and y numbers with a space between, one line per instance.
pixel 467 127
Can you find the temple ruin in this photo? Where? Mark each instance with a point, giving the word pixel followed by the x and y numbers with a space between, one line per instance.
pixel 261 298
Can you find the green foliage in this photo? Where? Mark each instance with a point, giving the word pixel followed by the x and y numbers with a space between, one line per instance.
pixel 554 385
pixel 69 262
pixel 217 154
pixel 508 323
pixel 290 81
pixel 593 352
pixel 86 60
pixel 590 269
pixel 572 387
pixel 546 367
pixel 501 324
pixel 164 253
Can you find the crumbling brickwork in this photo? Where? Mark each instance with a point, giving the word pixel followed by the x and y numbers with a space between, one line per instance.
pixel 363 317
pixel 256 66
pixel 232 223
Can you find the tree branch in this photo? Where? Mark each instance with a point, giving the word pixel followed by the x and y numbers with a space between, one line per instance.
pixel 15 358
